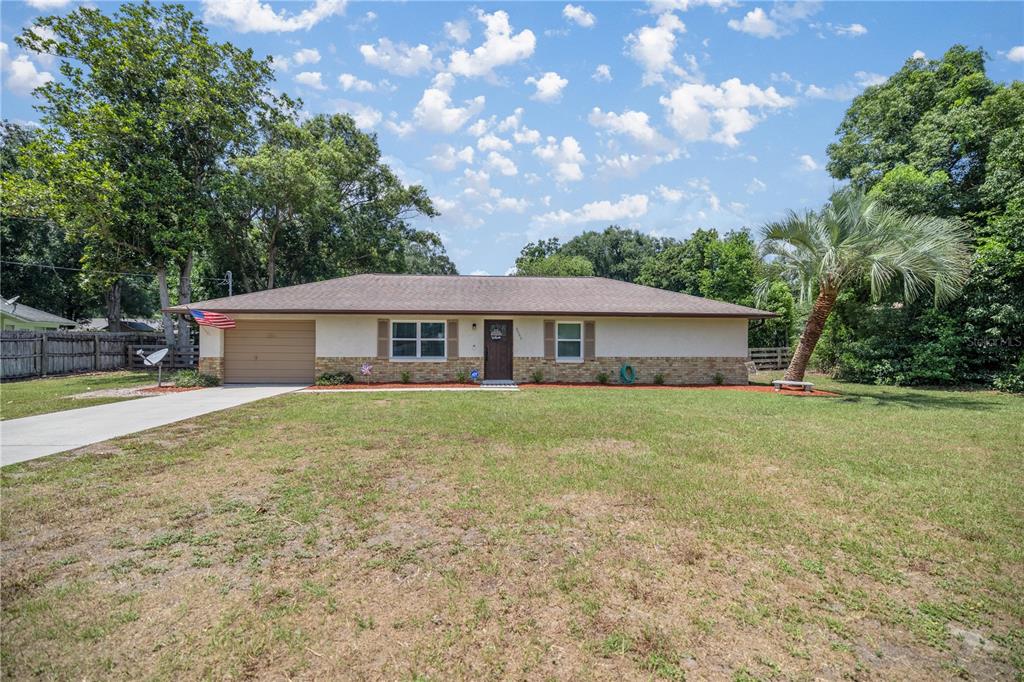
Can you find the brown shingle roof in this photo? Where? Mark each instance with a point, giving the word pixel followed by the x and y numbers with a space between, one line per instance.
pixel 468 294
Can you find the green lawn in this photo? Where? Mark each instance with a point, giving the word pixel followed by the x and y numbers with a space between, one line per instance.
pixel 547 534
pixel 39 396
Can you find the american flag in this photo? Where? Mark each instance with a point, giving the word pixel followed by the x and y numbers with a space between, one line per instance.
pixel 218 320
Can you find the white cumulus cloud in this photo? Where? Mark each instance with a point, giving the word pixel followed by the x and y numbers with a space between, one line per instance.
pixel 399 58
pixel 634 124
pixel 627 207
pixel 756 23
pixel 435 111
pixel 653 47
pixel 364 116
pixel 603 73
pixel 851 30
pixel 1016 54
pixel 807 163
pixel 247 16
pixel 491 142
pixel 457 30
pixel 311 79
pixel 756 186
pixel 502 164
pixel 564 157
pixel 47 4
pixel 549 86
pixel 349 81
pixel 20 74
pixel 720 112
pixel 918 54
pixel 500 47
pixel 781 20
pixel 447 157
pixel 579 15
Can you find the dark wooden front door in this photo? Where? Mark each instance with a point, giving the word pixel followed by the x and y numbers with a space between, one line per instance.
pixel 497 349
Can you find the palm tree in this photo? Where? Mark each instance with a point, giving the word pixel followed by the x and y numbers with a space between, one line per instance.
pixel 853 238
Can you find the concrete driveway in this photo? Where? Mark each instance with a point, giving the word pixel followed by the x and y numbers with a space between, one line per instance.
pixel 44 434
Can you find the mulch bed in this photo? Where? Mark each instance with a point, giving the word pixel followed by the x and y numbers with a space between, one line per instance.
pixel 753 388
pixel 364 386
pixel 703 387
pixel 169 389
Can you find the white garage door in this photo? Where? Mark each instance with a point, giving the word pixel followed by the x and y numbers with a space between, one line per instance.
pixel 270 352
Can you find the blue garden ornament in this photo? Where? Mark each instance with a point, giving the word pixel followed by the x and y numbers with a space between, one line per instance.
pixel 474 375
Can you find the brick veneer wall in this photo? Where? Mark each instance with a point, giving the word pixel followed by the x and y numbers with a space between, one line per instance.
pixel 675 370
pixel 214 366
pixel 386 371
pixel 695 370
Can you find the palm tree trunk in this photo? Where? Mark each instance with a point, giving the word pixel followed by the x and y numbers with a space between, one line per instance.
pixel 812 332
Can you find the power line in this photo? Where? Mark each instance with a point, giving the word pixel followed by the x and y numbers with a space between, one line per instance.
pixel 150 275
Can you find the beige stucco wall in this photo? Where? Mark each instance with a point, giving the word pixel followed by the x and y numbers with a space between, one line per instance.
pixel 616 337
pixel 211 342
pixel 670 337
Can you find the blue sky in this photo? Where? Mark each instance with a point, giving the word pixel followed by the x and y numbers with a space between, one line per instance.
pixel 527 120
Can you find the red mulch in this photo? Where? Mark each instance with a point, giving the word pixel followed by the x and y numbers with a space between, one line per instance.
pixel 706 387
pixel 364 385
pixel 169 389
pixel 754 388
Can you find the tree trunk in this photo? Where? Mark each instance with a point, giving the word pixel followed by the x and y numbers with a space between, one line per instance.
pixel 184 297
pixel 165 302
pixel 114 306
pixel 271 265
pixel 812 332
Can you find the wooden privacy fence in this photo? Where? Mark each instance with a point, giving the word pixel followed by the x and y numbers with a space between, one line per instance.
pixel 35 353
pixel 176 357
pixel 770 358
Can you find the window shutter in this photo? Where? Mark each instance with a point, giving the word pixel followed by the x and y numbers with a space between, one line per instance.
pixel 549 339
pixel 452 332
pixel 589 342
pixel 382 338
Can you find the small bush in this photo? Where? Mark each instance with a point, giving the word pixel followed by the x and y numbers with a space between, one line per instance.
pixel 1011 381
pixel 406 377
pixel 659 379
pixel 334 379
pixel 461 377
pixel 537 376
pixel 602 377
pixel 191 378
pixel 719 378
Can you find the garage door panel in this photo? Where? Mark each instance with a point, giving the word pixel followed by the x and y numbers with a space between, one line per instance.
pixel 268 351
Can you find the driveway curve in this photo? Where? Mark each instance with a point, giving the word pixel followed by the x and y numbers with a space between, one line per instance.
pixel 46 434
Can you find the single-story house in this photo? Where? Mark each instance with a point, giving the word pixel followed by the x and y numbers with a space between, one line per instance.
pixel 18 316
pixel 438 327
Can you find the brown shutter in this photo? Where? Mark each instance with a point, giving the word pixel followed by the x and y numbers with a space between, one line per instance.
pixel 549 339
pixel 452 332
pixel 382 338
pixel 588 341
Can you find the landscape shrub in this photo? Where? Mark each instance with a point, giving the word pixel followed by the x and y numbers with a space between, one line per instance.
pixel 334 379
pixel 602 377
pixel 537 376
pixel 719 379
pixel 659 379
pixel 191 378
pixel 461 377
pixel 406 377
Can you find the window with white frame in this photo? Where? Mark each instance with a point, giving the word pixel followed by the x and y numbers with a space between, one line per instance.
pixel 418 340
pixel 569 341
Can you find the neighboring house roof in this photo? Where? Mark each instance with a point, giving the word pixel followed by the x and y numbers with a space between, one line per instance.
pixel 476 295
pixel 136 325
pixel 27 313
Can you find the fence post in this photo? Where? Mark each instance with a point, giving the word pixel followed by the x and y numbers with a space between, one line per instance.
pixel 43 360
pixel 96 352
